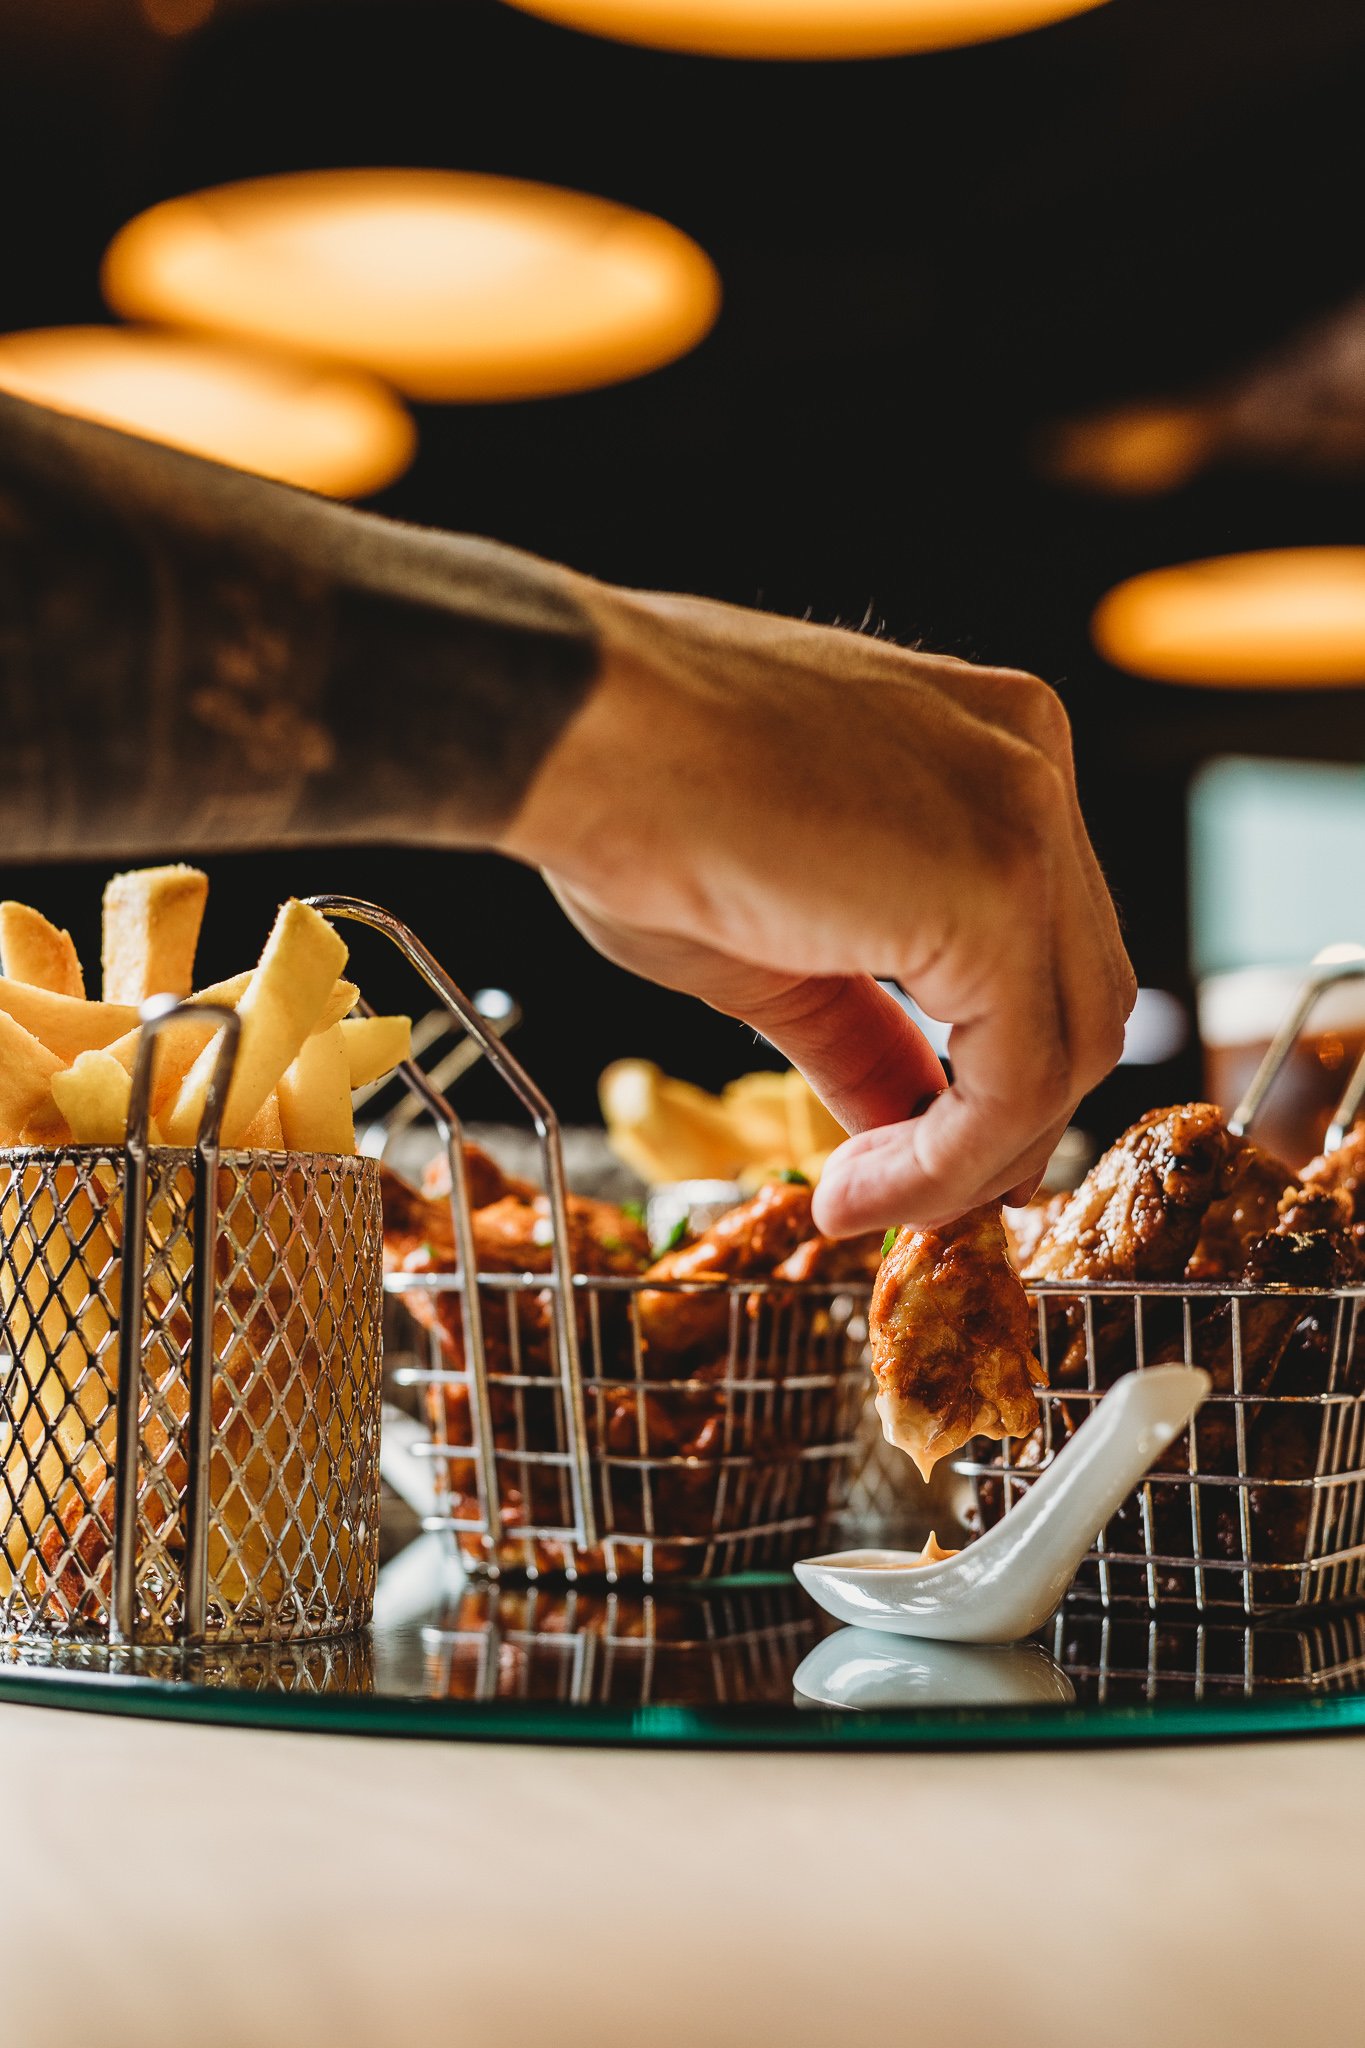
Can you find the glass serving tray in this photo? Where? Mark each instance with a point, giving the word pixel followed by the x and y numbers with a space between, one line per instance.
pixel 747 1663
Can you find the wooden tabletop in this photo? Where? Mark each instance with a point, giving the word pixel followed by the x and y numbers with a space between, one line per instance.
pixel 183 1887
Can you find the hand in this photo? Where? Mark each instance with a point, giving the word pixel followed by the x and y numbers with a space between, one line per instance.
pixel 769 815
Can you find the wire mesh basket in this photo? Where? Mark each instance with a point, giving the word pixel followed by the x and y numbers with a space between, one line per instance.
pixel 559 1443
pixel 1260 1505
pixel 195 1457
pixel 732 1466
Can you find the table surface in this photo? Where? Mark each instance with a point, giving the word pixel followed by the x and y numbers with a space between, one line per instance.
pixel 174 1885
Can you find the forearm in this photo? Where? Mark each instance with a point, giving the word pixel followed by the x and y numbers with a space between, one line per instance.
pixel 193 659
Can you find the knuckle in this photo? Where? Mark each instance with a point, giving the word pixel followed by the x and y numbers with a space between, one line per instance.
pixel 1032 709
pixel 1034 804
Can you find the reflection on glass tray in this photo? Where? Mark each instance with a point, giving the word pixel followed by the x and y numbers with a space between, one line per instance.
pixel 748 1661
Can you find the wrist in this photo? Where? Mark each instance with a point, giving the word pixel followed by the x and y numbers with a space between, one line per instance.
pixel 578 796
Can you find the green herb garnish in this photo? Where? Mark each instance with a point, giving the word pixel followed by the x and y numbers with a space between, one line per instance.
pixel 794 1176
pixel 676 1236
pixel 890 1238
pixel 635 1211
pixel 611 1244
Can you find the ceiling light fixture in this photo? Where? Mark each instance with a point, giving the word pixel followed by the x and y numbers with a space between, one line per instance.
pixel 447 284
pixel 324 429
pixel 805 28
pixel 1282 619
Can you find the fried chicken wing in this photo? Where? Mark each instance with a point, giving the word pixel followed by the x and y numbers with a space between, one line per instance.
pixel 1344 1170
pixel 1025 1227
pixel 826 1258
pixel 952 1339
pixel 511 1227
pixel 747 1242
pixel 1245 1212
pixel 1137 1215
pixel 1307 1246
pixel 487 1181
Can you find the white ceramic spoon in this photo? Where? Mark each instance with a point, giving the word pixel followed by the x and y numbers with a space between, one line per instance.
pixel 1005 1584
pixel 856 1669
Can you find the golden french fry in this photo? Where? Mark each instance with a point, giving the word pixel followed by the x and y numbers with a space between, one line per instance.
pixel 26 1070
pixel 812 1127
pixel 37 952
pixel 178 1045
pixel 757 1107
pixel 290 986
pixel 92 1094
pixel 339 1004
pixel 265 1133
pixel 66 1025
pixel 315 1096
pixel 667 1130
pixel 375 1046
pixel 151 931
pixel 46 1126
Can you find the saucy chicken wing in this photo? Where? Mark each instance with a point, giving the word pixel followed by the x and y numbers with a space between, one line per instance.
pixel 1344 1171
pixel 1137 1215
pixel 1138 1212
pixel 748 1242
pixel 952 1339
pixel 1245 1212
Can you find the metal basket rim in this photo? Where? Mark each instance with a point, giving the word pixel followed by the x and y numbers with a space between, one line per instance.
pixel 55 1155
pixel 444 1281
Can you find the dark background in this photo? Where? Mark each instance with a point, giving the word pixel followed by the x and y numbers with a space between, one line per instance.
pixel 925 260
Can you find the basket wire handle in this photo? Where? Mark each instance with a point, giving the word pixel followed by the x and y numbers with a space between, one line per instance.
pixel 546 1126
pixel 156 1013
pixel 426 1095
pixel 1331 965
pixel 1347 1110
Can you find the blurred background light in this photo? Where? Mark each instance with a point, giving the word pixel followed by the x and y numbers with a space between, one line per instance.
pixel 327 430
pixel 805 28
pixel 176 17
pixel 1136 450
pixel 1280 618
pixel 448 284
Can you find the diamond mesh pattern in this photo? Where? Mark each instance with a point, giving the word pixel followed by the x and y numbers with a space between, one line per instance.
pixel 294 1475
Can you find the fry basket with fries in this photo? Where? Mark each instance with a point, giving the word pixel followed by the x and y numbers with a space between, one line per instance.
pixel 190 1328
pixel 196 1455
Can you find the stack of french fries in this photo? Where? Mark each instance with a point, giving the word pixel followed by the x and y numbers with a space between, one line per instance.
pixel 761 1125
pixel 66 1065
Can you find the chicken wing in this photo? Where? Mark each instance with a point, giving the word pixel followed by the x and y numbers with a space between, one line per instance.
pixel 1137 1215
pixel 1236 1219
pixel 1344 1170
pixel 952 1339
pixel 748 1242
